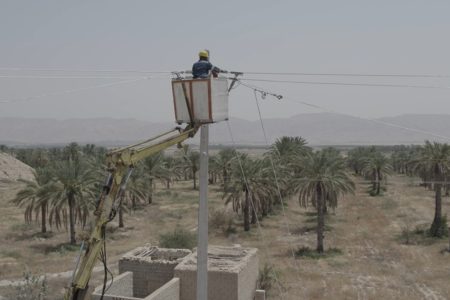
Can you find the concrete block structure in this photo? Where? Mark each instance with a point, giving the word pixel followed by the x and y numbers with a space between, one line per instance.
pixel 232 274
pixel 260 295
pixel 122 289
pixel 152 267
pixel 153 273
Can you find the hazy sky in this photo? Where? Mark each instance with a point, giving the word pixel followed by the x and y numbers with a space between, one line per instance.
pixel 387 37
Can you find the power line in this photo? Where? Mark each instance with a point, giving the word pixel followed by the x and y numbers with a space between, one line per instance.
pixel 372 120
pixel 71 77
pixel 350 74
pixel 258 89
pixel 349 83
pixel 280 289
pixel 398 75
pixel 18 69
pixel 72 90
pixel 280 197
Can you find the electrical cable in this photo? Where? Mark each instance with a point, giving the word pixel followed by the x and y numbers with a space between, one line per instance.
pixel 283 210
pixel 73 90
pixel 350 74
pixel 70 77
pixel 103 258
pixel 18 69
pixel 397 75
pixel 105 275
pixel 280 289
pixel 373 120
pixel 348 83
pixel 354 116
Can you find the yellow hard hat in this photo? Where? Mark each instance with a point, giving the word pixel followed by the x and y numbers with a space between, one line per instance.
pixel 203 53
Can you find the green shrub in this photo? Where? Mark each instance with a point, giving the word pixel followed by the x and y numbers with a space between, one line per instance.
pixel 310 253
pixel 11 253
pixel 267 277
pixel 421 234
pixel 406 235
pixel 389 204
pixel 439 230
pixel 178 239
pixel 21 227
pixel 221 219
pixel 420 229
pixel 33 288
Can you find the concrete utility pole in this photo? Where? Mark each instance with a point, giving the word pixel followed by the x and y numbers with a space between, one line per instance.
pixel 202 243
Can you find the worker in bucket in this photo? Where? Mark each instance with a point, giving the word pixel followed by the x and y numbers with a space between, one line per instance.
pixel 202 67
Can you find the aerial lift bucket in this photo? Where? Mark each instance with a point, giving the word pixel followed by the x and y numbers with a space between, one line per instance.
pixel 207 99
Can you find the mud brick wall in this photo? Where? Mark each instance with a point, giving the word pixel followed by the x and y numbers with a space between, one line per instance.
pixel 121 289
pixel 169 291
pixel 260 295
pixel 221 285
pixel 231 275
pixel 148 276
pixel 152 267
pixel 247 278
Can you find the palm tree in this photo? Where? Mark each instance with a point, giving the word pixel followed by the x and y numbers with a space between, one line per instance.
pixel 72 152
pixel 36 195
pixel 357 157
pixel 75 187
pixel 377 168
pixel 400 158
pixel 181 156
pixel 192 160
pixel 135 192
pixel 434 160
pixel 154 169
pixel 289 145
pixel 223 162
pixel 39 158
pixel 322 179
pixel 172 169
pixel 275 178
pixel 247 189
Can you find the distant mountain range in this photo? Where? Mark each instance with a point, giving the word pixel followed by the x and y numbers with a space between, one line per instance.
pixel 317 129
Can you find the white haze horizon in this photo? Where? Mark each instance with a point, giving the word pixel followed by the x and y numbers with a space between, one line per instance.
pixel 382 37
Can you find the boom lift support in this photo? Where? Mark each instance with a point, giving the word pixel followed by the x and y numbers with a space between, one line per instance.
pixel 195 93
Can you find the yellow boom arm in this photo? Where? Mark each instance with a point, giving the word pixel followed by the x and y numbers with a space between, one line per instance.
pixel 120 162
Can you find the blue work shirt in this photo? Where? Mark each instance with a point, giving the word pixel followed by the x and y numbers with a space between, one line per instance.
pixel 201 69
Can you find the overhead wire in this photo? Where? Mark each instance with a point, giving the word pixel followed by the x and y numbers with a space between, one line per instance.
pixel 19 69
pixel 69 91
pixel 244 177
pixel 69 77
pixel 440 136
pixel 348 83
pixel 283 210
pixel 389 124
pixel 263 92
pixel 395 75
pixel 349 74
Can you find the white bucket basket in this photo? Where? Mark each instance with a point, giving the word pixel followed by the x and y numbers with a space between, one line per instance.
pixel 208 99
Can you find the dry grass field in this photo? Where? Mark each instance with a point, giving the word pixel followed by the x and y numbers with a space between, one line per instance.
pixel 375 263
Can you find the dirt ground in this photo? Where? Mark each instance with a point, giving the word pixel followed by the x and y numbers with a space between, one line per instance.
pixel 375 263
